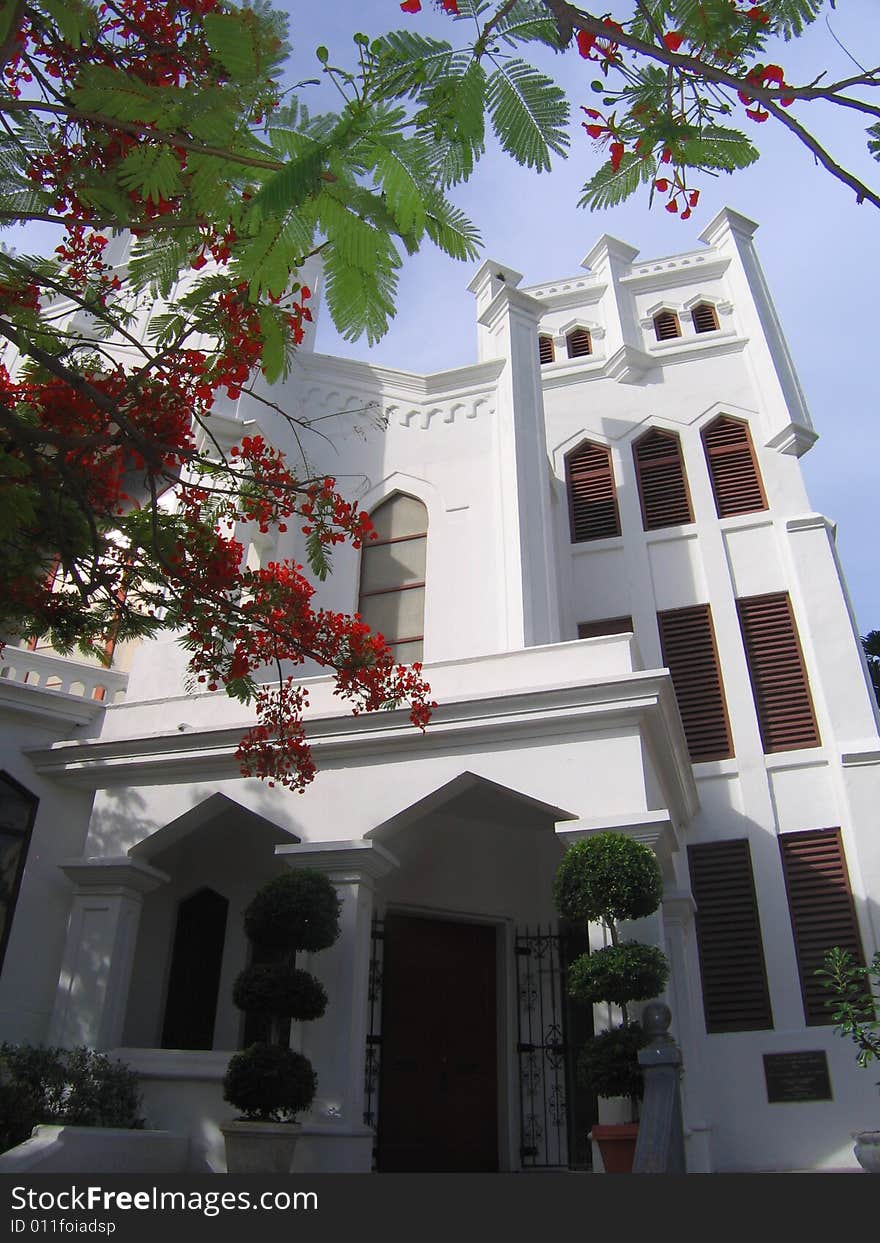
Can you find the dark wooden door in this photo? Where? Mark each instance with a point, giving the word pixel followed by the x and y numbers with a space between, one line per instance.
pixel 438 1104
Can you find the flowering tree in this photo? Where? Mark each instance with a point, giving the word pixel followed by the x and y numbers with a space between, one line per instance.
pixel 122 512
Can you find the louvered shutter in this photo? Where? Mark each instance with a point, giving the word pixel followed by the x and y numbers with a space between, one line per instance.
pixel 687 639
pixel 592 501
pixel 609 625
pixel 779 679
pixel 821 907
pixel 732 971
pixel 704 318
pixel 663 491
pixel 579 343
pixel 546 353
pixel 666 326
pixel 733 468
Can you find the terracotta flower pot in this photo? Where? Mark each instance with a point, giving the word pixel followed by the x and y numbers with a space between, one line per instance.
pixel 617 1144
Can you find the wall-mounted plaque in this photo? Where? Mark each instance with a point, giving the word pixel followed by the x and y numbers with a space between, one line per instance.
pixel 797 1077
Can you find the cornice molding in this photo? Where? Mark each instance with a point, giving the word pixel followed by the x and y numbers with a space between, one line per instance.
pixel 50 708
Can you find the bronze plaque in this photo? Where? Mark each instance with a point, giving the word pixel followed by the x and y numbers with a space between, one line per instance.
pixel 797 1077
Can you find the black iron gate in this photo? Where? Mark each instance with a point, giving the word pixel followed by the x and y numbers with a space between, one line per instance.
pixel 555 1114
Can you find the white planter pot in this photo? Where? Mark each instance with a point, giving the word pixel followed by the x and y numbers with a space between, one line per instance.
pixel 259 1147
pixel 867 1150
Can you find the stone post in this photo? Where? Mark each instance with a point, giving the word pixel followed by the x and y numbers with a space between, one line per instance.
pixel 660 1146
pixel 102 932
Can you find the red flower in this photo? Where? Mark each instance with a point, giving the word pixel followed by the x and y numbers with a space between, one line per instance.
pixel 411 6
pixel 616 155
pixel 673 40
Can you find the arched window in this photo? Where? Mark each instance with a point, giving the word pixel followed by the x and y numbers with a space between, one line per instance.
pixel 579 343
pixel 546 352
pixel 194 978
pixel 666 325
pixel 392 595
pixel 705 317
pixel 663 489
pixel 18 809
pixel 592 501
pixel 733 468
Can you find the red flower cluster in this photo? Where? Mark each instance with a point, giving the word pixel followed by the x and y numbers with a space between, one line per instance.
pixel 447 6
pixel 763 75
pixel 596 47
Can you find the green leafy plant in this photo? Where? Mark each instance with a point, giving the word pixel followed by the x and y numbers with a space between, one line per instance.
pixel 604 879
pixel 66 1087
pixel 296 912
pixel 855 1001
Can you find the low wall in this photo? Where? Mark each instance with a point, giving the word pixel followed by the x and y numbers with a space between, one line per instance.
pixel 97 1150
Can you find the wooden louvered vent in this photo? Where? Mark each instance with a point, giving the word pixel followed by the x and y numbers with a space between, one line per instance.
pixel 546 352
pixel 579 343
pixel 666 325
pixel 821 907
pixel 705 317
pixel 592 501
pixel 779 678
pixel 687 639
pixel 733 468
pixel 732 970
pixel 663 488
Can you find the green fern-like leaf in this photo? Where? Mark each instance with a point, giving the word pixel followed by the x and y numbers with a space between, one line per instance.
pixel 274 253
pixel 357 301
pixel 719 148
pixel 114 93
pixel 401 173
pixel 529 113
pixel 408 61
pixel 450 229
pixel 232 42
pixel 607 187
pixel 528 22
pixel 152 171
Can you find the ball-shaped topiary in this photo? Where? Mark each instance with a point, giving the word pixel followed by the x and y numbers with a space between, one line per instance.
pixel 296 911
pixel 269 1083
pixel 608 1063
pixel 630 971
pixel 278 988
pixel 607 877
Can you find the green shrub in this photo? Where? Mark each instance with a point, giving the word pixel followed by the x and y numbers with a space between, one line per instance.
pixel 608 1063
pixel 268 1082
pixel 620 973
pixel 607 877
pixel 63 1087
pixel 278 988
pixel 296 911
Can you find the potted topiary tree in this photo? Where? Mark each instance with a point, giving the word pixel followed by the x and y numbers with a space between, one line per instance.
pixel 268 1081
pixel 606 878
pixel 855 1008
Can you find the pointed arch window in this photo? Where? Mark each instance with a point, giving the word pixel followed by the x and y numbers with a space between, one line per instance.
pixel 392 589
pixel 579 343
pixel 18 810
pixel 194 978
pixel 592 500
pixel 663 490
pixel 733 467
pixel 704 317
pixel 666 326
pixel 546 350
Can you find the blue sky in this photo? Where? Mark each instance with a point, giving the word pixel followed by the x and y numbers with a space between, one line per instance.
pixel 819 250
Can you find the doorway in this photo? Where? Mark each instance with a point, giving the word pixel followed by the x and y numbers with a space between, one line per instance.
pixel 438 1102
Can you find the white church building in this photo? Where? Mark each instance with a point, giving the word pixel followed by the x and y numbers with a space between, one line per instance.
pixel 598 538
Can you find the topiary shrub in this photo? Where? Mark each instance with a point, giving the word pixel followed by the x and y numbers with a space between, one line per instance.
pixel 296 912
pixel 270 1083
pixel 604 879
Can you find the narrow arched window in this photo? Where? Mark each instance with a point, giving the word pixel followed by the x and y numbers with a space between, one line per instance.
pixel 592 500
pixel 663 490
pixel 666 325
pixel 194 977
pixel 705 317
pixel 733 467
pixel 392 595
pixel 546 352
pixel 18 809
pixel 579 343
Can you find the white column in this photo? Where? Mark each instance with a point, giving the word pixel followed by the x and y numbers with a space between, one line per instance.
pixel 101 935
pixel 678 926
pixel 336 1044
